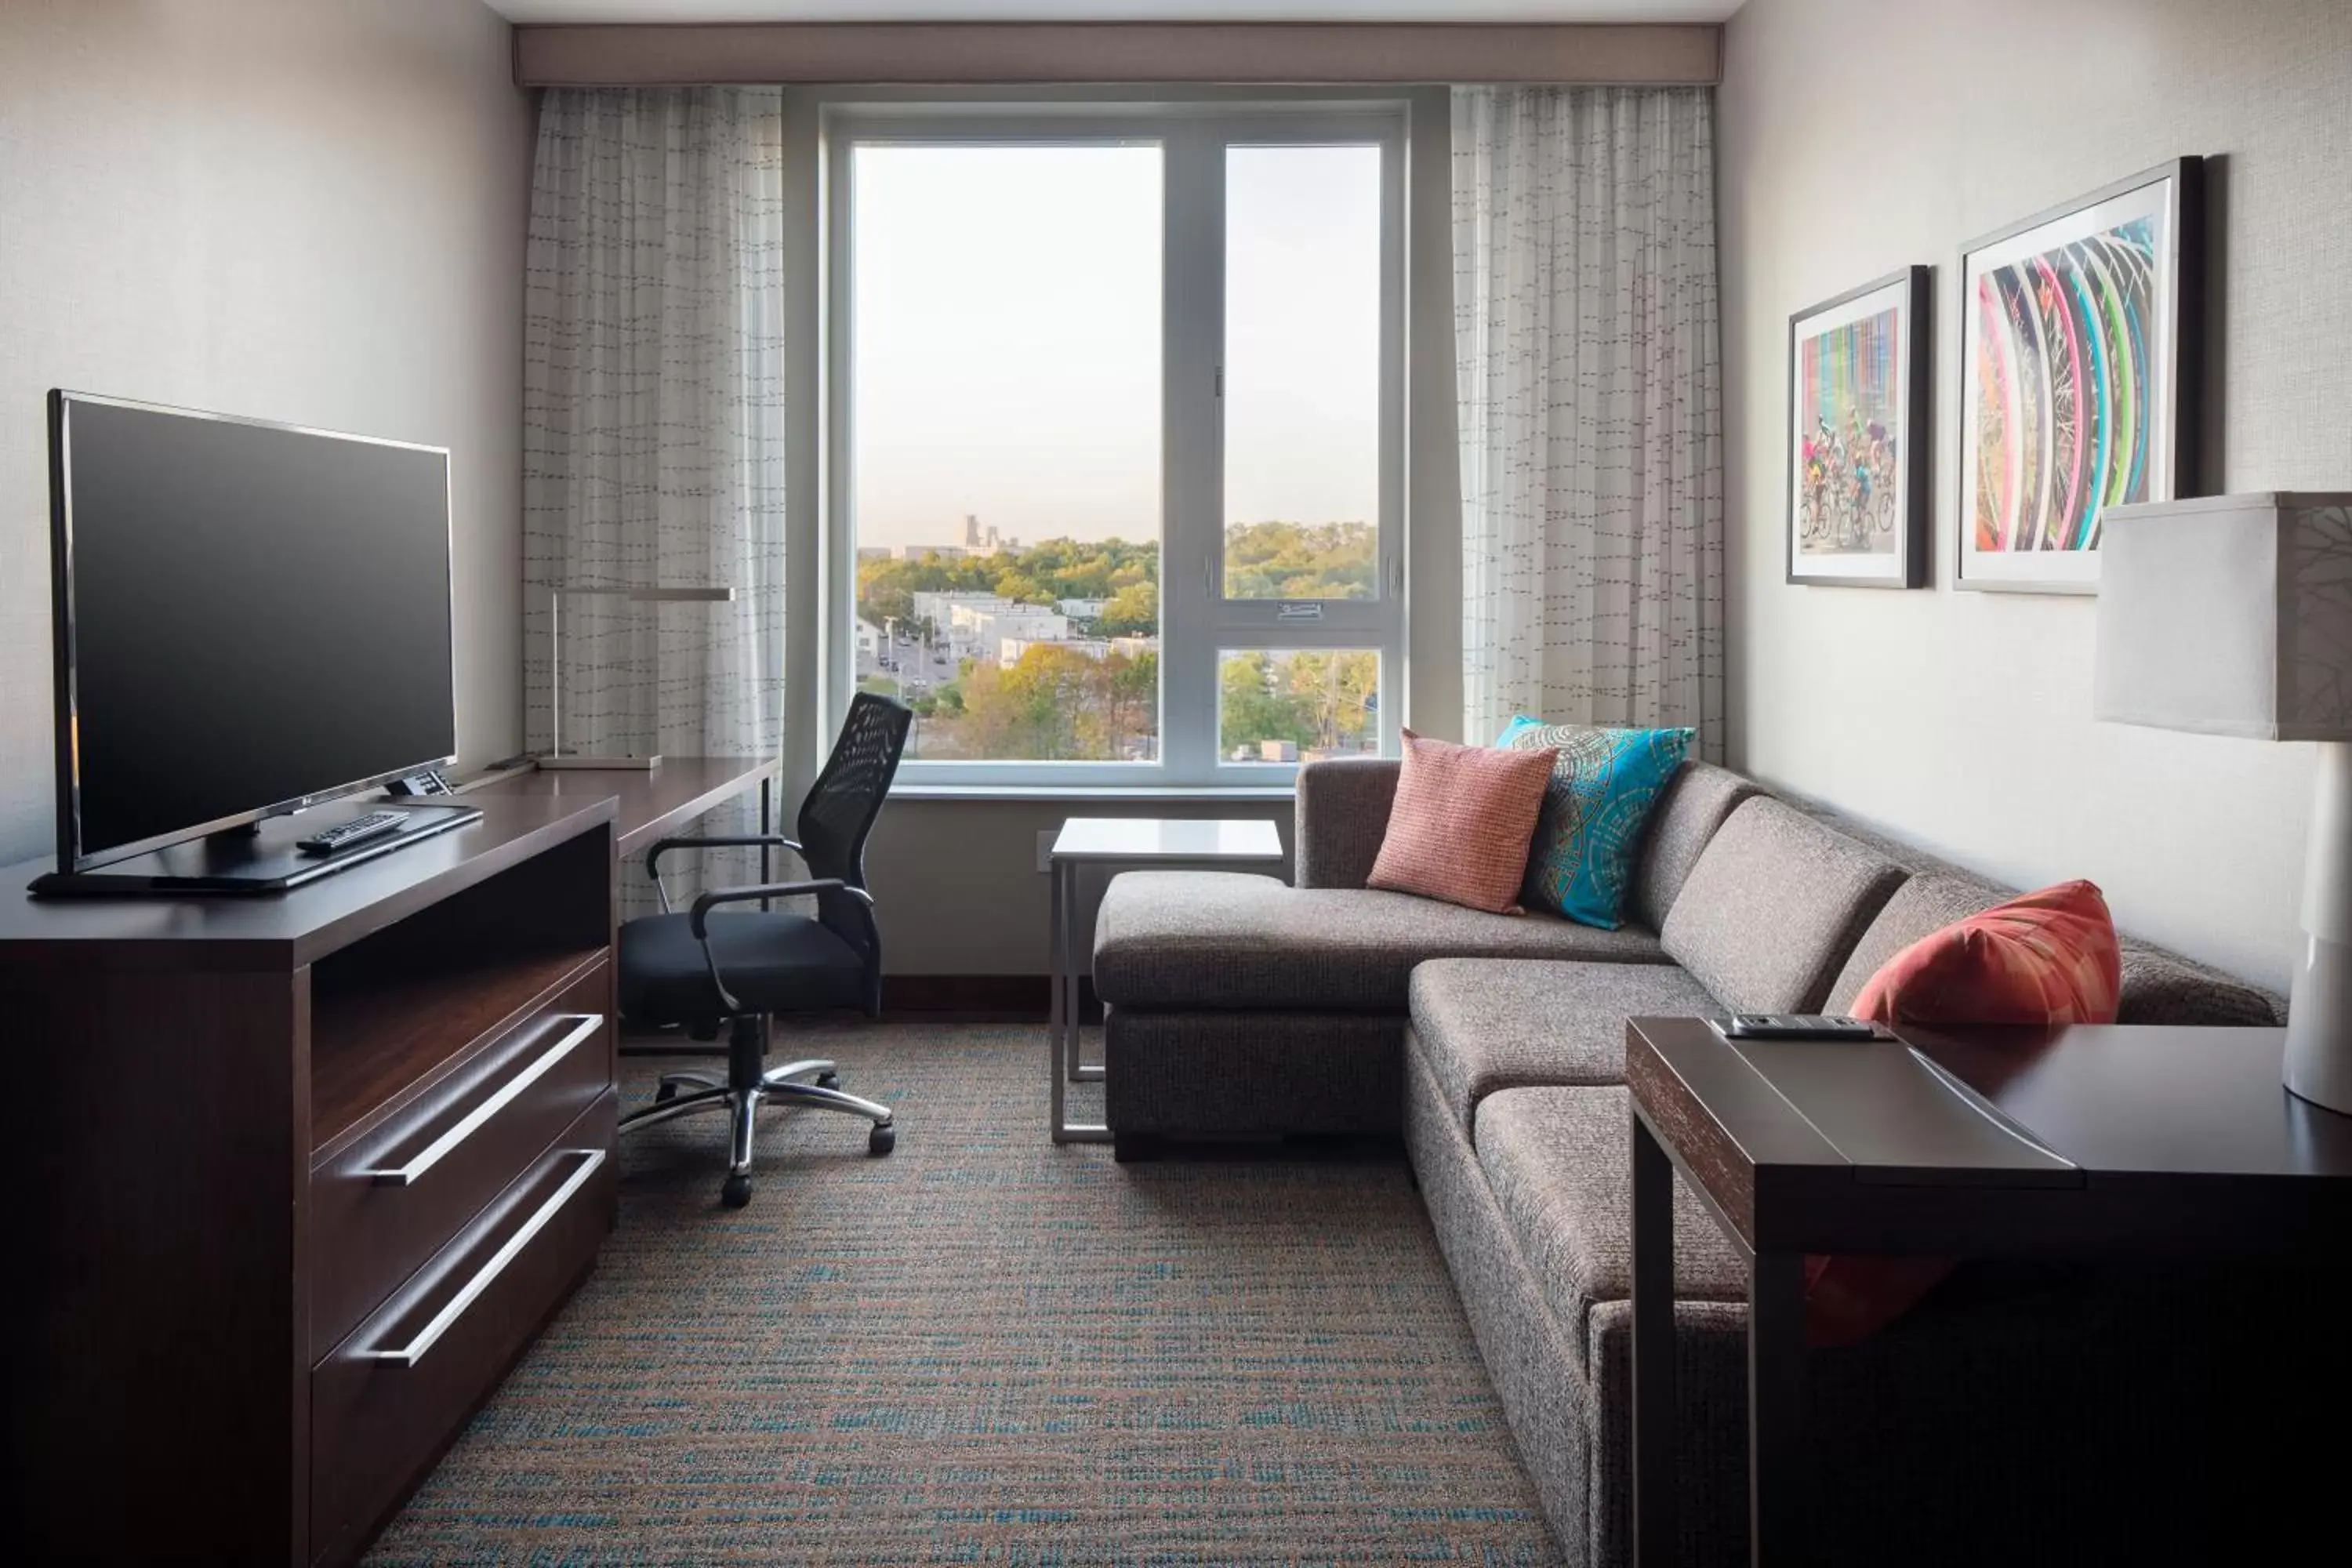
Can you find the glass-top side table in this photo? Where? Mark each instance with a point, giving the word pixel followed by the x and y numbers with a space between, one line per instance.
pixel 1126 843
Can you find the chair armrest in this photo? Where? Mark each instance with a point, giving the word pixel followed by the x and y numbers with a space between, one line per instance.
pixel 1342 816
pixel 722 841
pixel 697 917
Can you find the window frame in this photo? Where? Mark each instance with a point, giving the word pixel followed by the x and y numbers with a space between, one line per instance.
pixel 1197 623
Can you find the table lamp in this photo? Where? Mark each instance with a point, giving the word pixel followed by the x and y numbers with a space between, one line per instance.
pixel 2232 616
pixel 557 757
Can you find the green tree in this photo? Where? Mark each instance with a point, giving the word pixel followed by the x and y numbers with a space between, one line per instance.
pixel 1132 612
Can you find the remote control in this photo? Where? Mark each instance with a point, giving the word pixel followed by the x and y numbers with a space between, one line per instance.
pixel 357 830
pixel 1795 1026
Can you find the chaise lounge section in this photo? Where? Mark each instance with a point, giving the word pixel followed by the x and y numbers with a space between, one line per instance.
pixel 1238 1007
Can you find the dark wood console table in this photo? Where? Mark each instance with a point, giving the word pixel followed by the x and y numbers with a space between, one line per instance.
pixel 2071 1142
pixel 293 1182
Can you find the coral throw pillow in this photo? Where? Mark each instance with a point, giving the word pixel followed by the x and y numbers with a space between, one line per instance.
pixel 1460 827
pixel 1604 783
pixel 2047 958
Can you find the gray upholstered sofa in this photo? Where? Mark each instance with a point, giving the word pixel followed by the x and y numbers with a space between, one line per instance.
pixel 1239 1007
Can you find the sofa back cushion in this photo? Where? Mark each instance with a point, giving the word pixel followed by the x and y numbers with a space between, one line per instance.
pixel 1773 907
pixel 1688 811
pixel 1341 816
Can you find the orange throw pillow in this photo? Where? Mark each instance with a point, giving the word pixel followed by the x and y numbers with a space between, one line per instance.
pixel 2046 959
pixel 1462 818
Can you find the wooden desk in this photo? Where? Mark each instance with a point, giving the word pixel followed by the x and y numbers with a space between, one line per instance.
pixel 652 803
pixel 307 1174
pixel 2098 1141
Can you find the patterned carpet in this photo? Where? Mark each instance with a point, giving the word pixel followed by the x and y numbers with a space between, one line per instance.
pixel 987 1350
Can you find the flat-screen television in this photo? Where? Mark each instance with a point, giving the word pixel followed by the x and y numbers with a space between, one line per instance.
pixel 250 618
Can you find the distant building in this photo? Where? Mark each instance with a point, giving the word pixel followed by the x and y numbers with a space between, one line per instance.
pixel 944 551
pixel 1081 609
pixel 869 638
pixel 979 540
pixel 1010 650
pixel 874 553
pixel 1277 750
pixel 973 626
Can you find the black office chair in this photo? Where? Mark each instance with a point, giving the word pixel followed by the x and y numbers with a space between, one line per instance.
pixel 701 968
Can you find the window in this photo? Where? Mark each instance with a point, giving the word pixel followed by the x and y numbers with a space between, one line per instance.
pixel 1116 434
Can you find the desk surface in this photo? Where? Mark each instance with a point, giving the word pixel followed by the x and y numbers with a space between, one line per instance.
pixel 649 802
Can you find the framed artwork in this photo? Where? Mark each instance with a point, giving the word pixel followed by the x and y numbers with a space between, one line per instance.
pixel 2080 353
pixel 1858 436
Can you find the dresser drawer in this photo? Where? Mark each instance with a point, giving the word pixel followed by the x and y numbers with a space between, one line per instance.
pixel 387 1401
pixel 397 1195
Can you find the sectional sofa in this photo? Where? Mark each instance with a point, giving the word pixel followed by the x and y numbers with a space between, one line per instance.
pixel 1237 1007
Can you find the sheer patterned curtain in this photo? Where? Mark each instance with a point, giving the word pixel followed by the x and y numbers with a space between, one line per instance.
pixel 1584 298
pixel 653 428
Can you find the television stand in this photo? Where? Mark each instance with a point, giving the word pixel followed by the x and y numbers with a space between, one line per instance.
pixel 244 861
pixel 309 1175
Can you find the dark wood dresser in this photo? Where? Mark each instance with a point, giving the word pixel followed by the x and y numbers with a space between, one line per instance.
pixel 291 1183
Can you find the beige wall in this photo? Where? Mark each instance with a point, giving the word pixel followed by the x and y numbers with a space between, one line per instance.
pixel 1858 136
pixel 298 210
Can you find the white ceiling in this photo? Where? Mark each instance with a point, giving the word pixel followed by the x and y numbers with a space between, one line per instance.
pixel 1114 10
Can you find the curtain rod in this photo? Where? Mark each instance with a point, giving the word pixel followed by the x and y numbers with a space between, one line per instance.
pixel 1117 53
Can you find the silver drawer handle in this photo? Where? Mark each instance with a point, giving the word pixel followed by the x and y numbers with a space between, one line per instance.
pixel 414 1351
pixel 433 1154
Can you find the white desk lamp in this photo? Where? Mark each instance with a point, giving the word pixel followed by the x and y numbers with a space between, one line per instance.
pixel 556 756
pixel 2232 616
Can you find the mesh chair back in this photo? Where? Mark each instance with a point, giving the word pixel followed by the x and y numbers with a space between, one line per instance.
pixel 847 796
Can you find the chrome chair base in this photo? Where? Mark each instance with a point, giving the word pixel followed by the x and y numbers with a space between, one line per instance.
pixel 746 1089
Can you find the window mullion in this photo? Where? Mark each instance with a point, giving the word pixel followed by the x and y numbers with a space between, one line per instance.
pixel 1192 481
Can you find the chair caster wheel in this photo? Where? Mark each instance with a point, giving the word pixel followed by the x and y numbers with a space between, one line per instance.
pixel 828 1080
pixel 664 1094
pixel 882 1140
pixel 736 1193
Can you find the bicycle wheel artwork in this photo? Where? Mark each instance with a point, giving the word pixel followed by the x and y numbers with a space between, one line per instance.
pixel 2080 361
pixel 1858 436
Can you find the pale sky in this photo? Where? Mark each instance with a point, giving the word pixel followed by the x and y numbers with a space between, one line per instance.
pixel 1007 339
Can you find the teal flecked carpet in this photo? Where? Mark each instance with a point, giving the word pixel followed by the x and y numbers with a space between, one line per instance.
pixel 985 1349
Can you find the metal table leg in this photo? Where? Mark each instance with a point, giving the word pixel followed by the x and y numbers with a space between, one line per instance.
pixel 1081 1070
pixel 1062 1011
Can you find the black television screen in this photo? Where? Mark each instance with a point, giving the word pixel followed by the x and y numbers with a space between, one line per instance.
pixel 250 616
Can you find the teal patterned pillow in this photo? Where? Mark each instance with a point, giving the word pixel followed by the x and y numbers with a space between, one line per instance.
pixel 1603 787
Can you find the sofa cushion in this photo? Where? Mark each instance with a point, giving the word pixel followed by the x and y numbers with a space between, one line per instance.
pixel 1773 907
pixel 1919 909
pixel 1485 1025
pixel 1341 813
pixel 2161 987
pixel 1198 939
pixel 1556 1161
pixel 1690 808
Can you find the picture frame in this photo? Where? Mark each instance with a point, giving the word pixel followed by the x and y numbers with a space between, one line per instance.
pixel 1860 431
pixel 2082 358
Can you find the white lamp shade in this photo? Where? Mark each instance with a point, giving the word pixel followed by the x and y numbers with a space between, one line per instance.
pixel 2229 616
